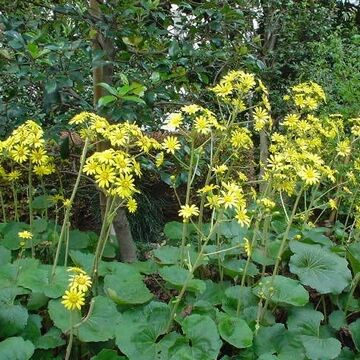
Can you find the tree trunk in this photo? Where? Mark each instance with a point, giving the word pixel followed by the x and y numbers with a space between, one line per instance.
pixel 104 73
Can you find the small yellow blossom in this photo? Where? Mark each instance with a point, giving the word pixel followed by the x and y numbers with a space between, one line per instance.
pixel 25 234
pixel 171 144
pixel 80 282
pixel 187 211
pixel 73 299
pixel 131 205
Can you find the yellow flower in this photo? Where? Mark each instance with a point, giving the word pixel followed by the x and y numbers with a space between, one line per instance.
pixel 67 203
pixel 159 159
pixel 45 169
pixel 344 148
pixel 105 157
pixel 213 201
pixel 105 175
pixel 76 269
pixel 202 125
pixel 242 218
pixel 80 282
pixel 309 175
pixel 174 121
pixel 191 109
pixel 90 167
pixel 223 89
pixel 220 169
pixel 38 156
pixel 171 144
pixel 187 211
pixel 125 185
pixel 20 153
pixel 131 205
pixel 332 204
pixel 13 175
pixel 247 247
pixel 73 299
pixel 80 118
pixel 25 234
pixel 207 188
pixel 228 199
pixel 240 138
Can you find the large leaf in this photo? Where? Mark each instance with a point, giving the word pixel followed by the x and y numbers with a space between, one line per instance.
pixel 16 348
pixel 281 289
pixel 235 331
pixel 177 277
pixel 62 317
pixel 125 285
pixel 304 321
pixel 317 348
pixel 5 255
pixel 319 268
pixel 97 326
pixel 203 336
pixel 139 329
pixel 51 340
pixel 355 333
pixel 13 319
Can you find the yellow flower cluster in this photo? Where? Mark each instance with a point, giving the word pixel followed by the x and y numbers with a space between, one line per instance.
pixel 230 196
pixel 114 169
pixel 302 151
pixel 238 83
pixel 79 284
pixel 307 96
pixel 27 144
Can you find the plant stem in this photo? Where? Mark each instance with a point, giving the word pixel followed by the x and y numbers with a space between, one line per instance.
pixel 286 233
pixel 104 234
pixel 15 202
pixel 68 208
pixel 71 338
pixel 187 199
pixel 2 206
pixel 31 216
pixel 67 239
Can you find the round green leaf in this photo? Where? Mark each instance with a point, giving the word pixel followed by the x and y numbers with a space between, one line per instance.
pixel 317 348
pixel 281 289
pixel 235 331
pixel 355 333
pixel 61 316
pixel 5 255
pixel 16 348
pixel 51 340
pixel 177 276
pixel 13 319
pixel 202 332
pixel 319 268
pixel 125 286
pixel 102 322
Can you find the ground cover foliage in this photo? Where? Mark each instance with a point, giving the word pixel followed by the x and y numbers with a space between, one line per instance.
pixel 254 269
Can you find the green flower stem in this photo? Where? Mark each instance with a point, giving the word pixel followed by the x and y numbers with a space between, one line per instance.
pixel 45 194
pixel 31 215
pixel 187 199
pixel 253 240
pixel 30 184
pixel 67 239
pixel 286 234
pixel 2 206
pixel 191 271
pixel 354 285
pixel 16 210
pixel 68 208
pixel 109 214
pixel 71 338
